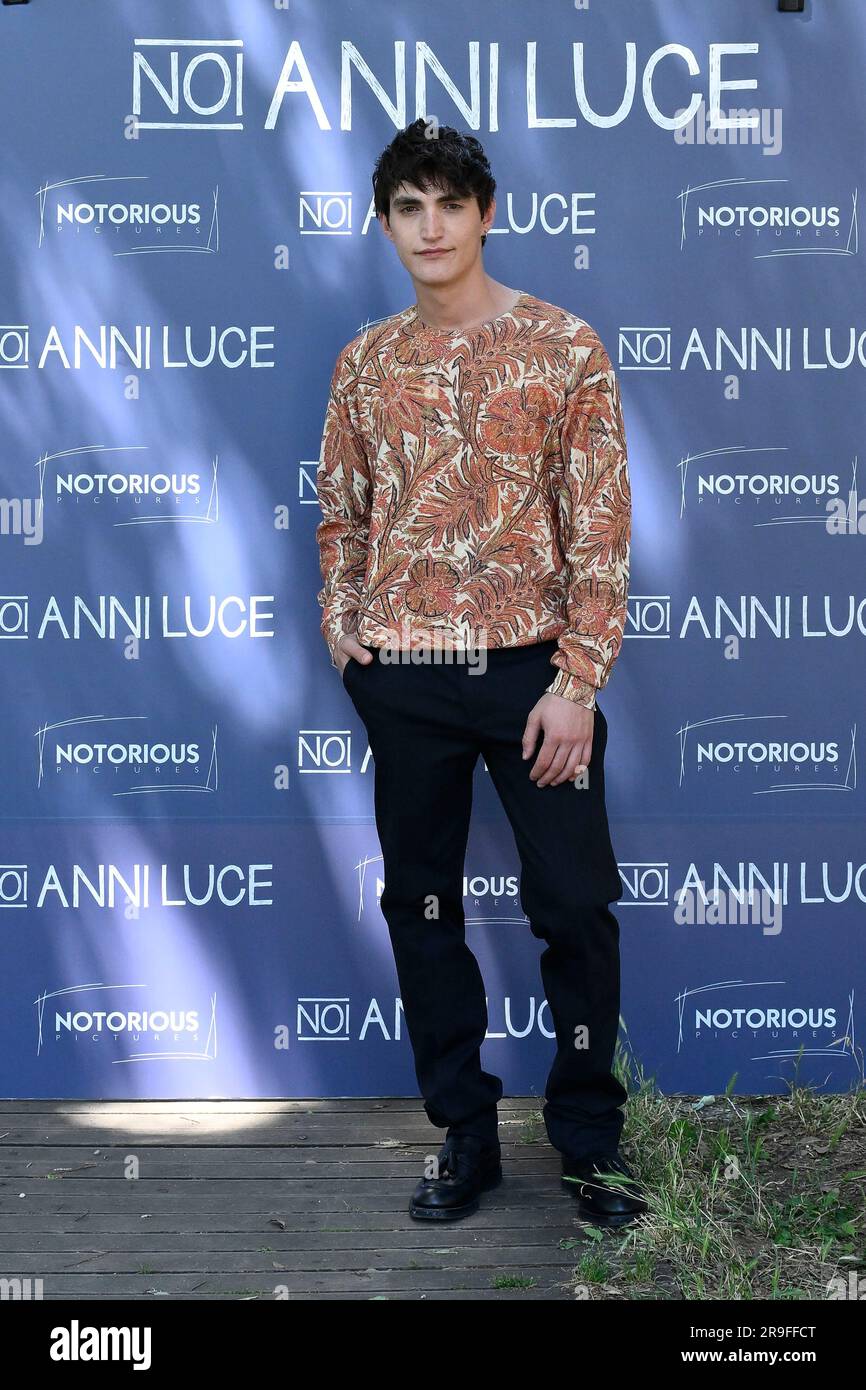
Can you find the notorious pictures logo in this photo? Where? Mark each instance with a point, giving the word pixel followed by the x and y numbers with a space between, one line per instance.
pixel 762 487
pixel 129 1019
pixel 759 215
pixel 488 898
pixel 766 754
pixel 768 1017
pixel 127 486
pixel 123 211
pixel 128 754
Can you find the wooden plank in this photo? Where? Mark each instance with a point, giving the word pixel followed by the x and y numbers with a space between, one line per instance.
pixel 93 1187
pixel 323 1164
pixel 429 1295
pixel 207 1210
pixel 370 1151
pixel 178 1129
pixel 146 1151
pixel 87 1222
pixel 456 1235
pixel 46 1263
pixel 266 1190
pixel 371 1281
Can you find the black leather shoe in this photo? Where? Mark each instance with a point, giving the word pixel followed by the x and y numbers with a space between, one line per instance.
pixel 467 1167
pixel 600 1202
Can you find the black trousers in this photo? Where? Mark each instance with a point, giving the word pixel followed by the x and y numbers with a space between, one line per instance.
pixel 427 724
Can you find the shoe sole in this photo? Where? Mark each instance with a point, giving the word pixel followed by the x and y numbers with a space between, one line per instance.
pixel 455 1213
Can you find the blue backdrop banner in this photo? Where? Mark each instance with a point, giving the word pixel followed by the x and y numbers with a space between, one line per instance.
pixel 190 880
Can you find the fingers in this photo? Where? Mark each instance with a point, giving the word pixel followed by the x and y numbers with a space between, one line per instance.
pixel 562 762
pixel 550 761
pixel 530 733
pixel 575 767
pixel 353 648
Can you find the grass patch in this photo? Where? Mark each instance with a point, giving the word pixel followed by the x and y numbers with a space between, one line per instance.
pixel 750 1197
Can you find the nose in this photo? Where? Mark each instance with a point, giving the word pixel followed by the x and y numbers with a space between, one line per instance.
pixel 431 229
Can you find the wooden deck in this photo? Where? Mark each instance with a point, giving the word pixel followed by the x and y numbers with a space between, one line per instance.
pixel 263 1199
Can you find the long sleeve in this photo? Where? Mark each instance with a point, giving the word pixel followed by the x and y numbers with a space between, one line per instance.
pixel 594 512
pixel 344 492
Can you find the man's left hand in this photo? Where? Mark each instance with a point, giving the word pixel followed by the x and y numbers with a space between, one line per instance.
pixel 567 747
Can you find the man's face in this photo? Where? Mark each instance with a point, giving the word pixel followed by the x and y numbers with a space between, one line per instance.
pixel 423 223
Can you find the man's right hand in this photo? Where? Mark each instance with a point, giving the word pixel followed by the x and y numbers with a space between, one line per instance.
pixel 353 652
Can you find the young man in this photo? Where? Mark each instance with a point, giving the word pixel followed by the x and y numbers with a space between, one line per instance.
pixel 474 549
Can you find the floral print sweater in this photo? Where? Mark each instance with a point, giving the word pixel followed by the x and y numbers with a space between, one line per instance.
pixel 474 491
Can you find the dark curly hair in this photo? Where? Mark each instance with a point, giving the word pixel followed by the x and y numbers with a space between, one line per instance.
pixel 427 154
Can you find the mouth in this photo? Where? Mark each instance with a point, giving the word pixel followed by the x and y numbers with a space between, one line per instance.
pixel 433 254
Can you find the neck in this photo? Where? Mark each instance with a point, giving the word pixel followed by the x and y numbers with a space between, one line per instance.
pixel 462 304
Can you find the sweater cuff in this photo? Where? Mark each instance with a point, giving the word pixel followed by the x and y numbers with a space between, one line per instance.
pixel 571 688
